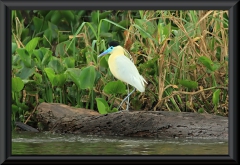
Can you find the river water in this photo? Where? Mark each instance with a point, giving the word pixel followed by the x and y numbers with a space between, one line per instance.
pixel 46 143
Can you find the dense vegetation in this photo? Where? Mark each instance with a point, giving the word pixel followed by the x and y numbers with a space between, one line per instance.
pixel 182 54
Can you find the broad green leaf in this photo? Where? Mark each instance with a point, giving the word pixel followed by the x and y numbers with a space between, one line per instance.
pixel 63 37
pixel 105 27
pixel 47 56
pixel 14 47
pixel 74 74
pixel 69 62
pixel 50 73
pixel 98 76
pixel 104 14
pixel 31 45
pixel 102 105
pixel 17 84
pixel 38 23
pixel 56 65
pixel 216 97
pixel 147 27
pixel 94 17
pixel 54 30
pixel 25 72
pixel 14 109
pixel 56 17
pixel 38 54
pixel 87 77
pixel 115 87
pixel 49 15
pixel 123 23
pixel 37 78
pixel 103 62
pixel 189 84
pixel 61 48
pixel 68 14
pixel 25 33
pixel 59 80
pixel 25 57
pixel 15 61
pixel 26 40
pixel 47 38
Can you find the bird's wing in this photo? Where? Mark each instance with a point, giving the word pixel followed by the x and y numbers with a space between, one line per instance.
pixel 125 70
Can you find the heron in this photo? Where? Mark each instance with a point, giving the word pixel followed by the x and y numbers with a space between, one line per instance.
pixel 124 69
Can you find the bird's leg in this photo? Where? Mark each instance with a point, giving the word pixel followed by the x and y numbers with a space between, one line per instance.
pixel 126 98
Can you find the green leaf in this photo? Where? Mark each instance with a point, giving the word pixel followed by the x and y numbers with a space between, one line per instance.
pixel 25 57
pixel 17 84
pixel 47 56
pixel 87 77
pixel 102 105
pixel 104 14
pixel 25 72
pixel 207 63
pixel 68 14
pixel 104 62
pixel 14 109
pixel 53 30
pixel 216 97
pixel 114 110
pixel 14 47
pixel 94 16
pixel 56 17
pixel 31 45
pixel 25 33
pixel 38 23
pixel 200 110
pixel 50 73
pixel 74 74
pixel 47 38
pixel 37 78
pixel 115 87
pixel 106 35
pixel 147 27
pixel 69 62
pixel 123 23
pixel 105 27
pixel 189 84
pixel 56 65
pixel 38 54
pixel 49 15
pixel 61 48
pixel 59 80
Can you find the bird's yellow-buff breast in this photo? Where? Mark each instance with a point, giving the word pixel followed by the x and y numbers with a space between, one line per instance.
pixel 124 69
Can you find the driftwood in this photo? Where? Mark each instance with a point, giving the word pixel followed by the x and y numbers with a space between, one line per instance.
pixel 61 118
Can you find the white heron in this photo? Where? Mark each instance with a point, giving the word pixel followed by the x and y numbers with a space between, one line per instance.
pixel 123 68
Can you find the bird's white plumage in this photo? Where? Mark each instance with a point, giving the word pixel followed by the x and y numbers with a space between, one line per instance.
pixel 124 69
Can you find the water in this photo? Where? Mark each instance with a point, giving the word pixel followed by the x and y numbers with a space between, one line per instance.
pixel 26 143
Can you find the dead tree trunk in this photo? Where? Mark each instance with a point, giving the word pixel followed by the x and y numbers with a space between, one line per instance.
pixel 64 119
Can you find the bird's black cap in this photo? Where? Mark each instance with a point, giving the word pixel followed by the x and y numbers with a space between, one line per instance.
pixel 113 43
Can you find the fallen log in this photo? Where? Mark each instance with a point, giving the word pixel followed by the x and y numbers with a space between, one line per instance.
pixel 61 118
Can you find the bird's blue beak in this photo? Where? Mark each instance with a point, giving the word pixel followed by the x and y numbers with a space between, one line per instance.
pixel 105 52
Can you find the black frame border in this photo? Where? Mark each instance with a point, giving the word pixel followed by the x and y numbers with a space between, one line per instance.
pixel 5 72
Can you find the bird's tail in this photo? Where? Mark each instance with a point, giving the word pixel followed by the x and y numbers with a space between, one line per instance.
pixel 142 86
